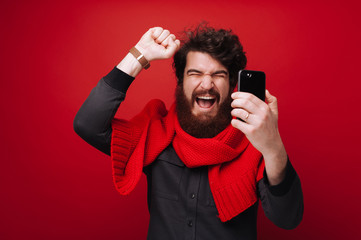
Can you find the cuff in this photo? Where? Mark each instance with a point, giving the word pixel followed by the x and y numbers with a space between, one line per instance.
pixel 119 80
pixel 283 187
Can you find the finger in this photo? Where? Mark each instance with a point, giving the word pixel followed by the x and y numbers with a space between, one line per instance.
pixel 244 104
pixel 242 114
pixel 249 102
pixel 239 95
pixel 246 95
pixel 162 36
pixel 272 102
pixel 171 48
pixel 241 126
pixel 177 42
pixel 270 98
pixel 167 40
pixel 156 32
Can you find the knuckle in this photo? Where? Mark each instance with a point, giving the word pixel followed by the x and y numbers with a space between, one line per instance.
pixel 251 130
pixel 263 117
pixel 247 104
pixel 158 30
pixel 238 103
pixel 245 95
pixel 264 109
pixel 154 29
pixel 238 112
pixel 275 100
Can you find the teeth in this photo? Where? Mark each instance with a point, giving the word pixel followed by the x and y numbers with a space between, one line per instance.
pixel 206 98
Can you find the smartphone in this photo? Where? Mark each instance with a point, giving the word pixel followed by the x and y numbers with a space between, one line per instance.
pixel 253 82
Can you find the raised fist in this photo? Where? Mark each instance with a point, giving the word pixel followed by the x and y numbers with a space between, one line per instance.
pixel 158 43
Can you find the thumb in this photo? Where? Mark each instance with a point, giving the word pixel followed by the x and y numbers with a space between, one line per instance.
pixel 272 102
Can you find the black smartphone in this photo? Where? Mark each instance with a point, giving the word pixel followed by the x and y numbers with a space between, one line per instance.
pixel 253 82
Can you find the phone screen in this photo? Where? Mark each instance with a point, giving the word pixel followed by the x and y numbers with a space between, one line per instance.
pixel 253 82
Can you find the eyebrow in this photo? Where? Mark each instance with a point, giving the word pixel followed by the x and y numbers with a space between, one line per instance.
pixel 193 71
pixel 220 71
pixel 216 72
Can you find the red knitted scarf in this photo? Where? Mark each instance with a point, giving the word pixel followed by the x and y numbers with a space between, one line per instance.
pixel 234 165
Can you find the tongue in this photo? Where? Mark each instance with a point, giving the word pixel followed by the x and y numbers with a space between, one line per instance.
pixel 204 103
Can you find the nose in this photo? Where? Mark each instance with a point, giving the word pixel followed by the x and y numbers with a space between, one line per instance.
pixel 207 82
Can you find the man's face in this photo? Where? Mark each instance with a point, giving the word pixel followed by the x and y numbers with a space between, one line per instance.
pixel 205 84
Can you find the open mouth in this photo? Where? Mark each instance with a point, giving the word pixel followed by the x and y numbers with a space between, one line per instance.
pixel 205 101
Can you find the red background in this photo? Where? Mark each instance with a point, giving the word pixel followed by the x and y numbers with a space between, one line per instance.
pixel 55 186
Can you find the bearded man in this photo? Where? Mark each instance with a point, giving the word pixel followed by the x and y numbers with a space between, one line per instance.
pixel 206 169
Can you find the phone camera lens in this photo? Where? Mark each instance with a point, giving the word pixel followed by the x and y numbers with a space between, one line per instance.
pixel 249 75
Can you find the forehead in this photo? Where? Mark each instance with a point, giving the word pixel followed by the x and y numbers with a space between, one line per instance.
pixel 203 62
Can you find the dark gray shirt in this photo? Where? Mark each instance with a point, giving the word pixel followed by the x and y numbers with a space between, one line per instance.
pixel 180 201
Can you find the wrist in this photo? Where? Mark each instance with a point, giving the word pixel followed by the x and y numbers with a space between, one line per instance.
pixel 130 65
pixel 144 52
pixel 140 57
pixel 276 151
pixel 275 162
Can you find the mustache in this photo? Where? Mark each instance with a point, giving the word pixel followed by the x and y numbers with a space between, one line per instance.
pixel 195 126
pixel 211 92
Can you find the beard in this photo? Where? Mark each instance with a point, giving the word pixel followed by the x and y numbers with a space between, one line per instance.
pixel 203 126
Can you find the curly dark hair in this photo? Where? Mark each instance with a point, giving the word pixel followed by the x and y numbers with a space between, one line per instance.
pixel 221 44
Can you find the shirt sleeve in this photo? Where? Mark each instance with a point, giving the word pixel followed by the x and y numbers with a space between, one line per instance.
pixel 94 118
pixel 282 203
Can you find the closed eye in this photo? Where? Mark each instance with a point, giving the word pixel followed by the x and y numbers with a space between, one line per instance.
pixel 193 72
pixel 219 75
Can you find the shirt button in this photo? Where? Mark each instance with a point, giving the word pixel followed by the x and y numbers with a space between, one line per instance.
pixel 190 223
pixel 193 195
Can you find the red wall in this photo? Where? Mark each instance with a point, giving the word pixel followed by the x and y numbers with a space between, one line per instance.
pixel 55 186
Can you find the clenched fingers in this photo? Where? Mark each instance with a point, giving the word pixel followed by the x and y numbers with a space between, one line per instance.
pixel 156 32
pixel 165 33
